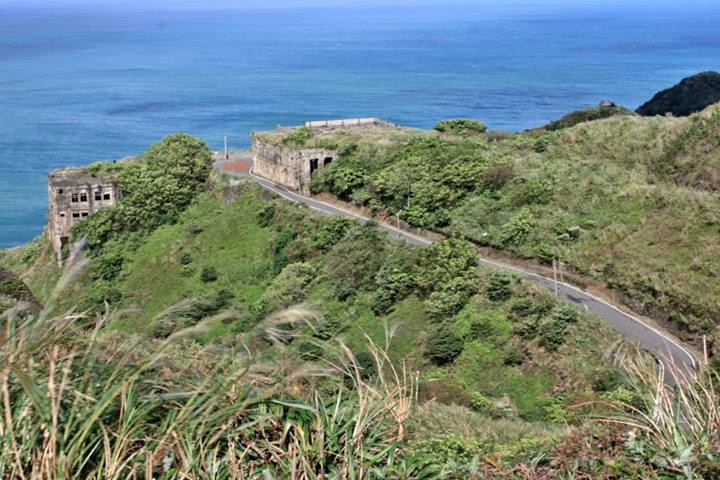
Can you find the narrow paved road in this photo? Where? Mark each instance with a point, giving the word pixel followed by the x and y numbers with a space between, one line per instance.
pixel 667 350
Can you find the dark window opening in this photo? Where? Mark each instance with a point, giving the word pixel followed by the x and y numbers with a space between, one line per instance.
pixel 327 161
pixel 83 197
pixel 60 191
pixel 106 196
pixel 76 215
pixel 314 165
pixel 98 196
pixel 85 214
pixel 62 214
pixel 74 198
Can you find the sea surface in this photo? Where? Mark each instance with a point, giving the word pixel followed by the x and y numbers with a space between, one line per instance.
pixel 80 85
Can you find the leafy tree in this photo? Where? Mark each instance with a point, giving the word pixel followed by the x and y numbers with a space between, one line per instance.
pixel 158 189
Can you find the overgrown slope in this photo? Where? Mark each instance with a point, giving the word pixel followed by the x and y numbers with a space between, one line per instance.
pixel 627 200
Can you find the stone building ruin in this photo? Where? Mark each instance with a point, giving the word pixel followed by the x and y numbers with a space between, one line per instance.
pixel 73 196
pixel 289 167
pixel 293 167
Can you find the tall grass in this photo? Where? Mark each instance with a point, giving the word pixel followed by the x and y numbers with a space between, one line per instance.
pixel 76 406
pixel 675 424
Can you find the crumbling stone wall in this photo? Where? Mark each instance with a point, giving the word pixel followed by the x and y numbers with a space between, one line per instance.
pixel 289 167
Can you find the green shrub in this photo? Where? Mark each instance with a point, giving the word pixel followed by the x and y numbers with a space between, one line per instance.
pixel 298 137
pixel 32 251
pixel 513 354
pixel 158 189
pixel 266 214
pixel 97 294
pixel 532 192
pixel 526 306
pixel 497 176
pixel 208 274
pixel 393 282
pixel 448 275
pixel 479 402
pixel 461 126
pixel 186 258
pixel 353 263
pixel 332 231
pixel 518 229
pixel 341 178
pixel 287 288
pixel 444 346
pixel 499 287
pixel 553 329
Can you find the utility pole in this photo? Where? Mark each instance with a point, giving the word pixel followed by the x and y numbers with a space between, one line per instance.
pixel 227 155
pixel 555 284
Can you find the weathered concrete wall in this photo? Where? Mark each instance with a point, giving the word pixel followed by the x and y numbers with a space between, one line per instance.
pixel 348 123
pixel 291 168
pixel 73 196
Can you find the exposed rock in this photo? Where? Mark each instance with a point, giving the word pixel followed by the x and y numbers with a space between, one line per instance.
pixel 691 95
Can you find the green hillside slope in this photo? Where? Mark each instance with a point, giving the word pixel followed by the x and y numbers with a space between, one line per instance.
pixel 628 201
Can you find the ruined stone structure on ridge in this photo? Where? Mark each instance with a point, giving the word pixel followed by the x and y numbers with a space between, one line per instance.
pixel 73 196
pixel 293 167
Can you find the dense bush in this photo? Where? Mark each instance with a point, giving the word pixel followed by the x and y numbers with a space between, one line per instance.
pixel 341 178
pixel 353 263
pixel 448 275
pixel 461 126
pixel 394 280
pixel 444 346
pixel 208 274
pixel 287 288
pixel 499 286
pixel 332 231
pixel 427 177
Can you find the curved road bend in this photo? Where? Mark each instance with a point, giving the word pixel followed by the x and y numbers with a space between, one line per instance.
pixel 666 349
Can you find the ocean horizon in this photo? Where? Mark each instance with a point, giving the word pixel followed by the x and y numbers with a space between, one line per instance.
pixel 81 85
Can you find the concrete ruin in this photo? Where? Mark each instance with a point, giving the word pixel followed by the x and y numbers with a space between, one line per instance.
pixel 73 196
pixel 293 167
pixel 289 167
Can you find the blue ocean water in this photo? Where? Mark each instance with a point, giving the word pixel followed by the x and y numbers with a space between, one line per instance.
pixel 82 85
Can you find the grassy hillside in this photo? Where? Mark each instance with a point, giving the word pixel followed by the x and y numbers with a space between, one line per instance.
pixel 238 272
pixel 628 201
pixel 232 334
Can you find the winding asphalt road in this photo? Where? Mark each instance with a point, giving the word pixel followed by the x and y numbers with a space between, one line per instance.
pixel 667 350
